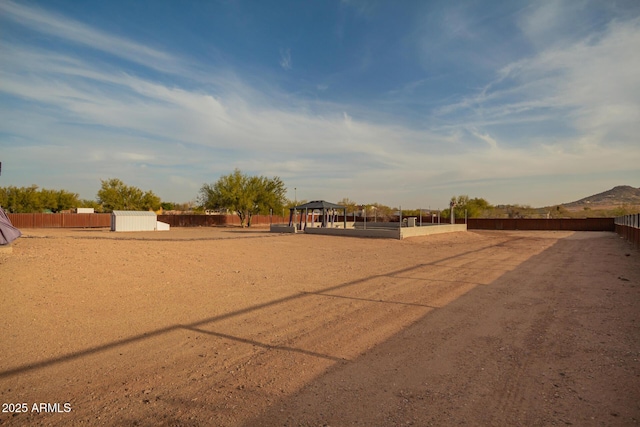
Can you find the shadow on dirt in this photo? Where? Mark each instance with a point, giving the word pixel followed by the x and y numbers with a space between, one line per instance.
pixel 534 347
pixel 195 325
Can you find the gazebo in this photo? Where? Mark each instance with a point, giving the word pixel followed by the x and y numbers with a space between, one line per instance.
pixel 328 213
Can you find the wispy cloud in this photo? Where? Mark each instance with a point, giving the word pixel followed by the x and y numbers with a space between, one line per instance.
pixel 105 120
pixel 591 83
pixel 77 33
pixel 365 8
pixel 485 137
pixel 285 59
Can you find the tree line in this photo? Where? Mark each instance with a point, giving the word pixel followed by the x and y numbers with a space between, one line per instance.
pixel 32 199
pixel 113 195
pixel 240 193
pixel 247 196
pixel 474 208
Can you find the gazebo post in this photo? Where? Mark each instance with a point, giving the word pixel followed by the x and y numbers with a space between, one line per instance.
pixel 345 218
pixel 364 214
pixel 306 215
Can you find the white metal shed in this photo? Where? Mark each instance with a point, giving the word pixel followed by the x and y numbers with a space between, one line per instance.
pixel 133 221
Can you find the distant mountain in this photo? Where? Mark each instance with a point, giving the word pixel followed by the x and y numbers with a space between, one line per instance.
pixel 620 195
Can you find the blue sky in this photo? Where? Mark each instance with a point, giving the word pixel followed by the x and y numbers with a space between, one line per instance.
pixel 397 102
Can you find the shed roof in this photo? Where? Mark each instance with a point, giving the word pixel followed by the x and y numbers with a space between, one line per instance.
pixel 134 213
pixel 319 204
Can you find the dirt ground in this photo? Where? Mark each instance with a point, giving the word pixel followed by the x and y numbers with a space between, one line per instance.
pixel 230 327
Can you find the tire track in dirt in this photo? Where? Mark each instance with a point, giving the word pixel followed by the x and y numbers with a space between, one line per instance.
pixel 287 317
pixel 499 355
pixel 452 330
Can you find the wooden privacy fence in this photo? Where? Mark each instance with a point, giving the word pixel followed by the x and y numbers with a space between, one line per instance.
pixel 97 220
pixel 72 220
pixel 217 220
pixel 59 220
pixel 628 226
pixel 566 224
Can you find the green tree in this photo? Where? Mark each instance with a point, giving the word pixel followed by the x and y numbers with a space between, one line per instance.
pixel 48 200
pixel 270 196
pixel 4 198
pixel 67 200
pixel 474 208
pixel 379 211
pixel 30 199
pixel 350 205
pixel 478 207
pixel 22 200
pixel 245 195
pixel 115 195
pixel 58 200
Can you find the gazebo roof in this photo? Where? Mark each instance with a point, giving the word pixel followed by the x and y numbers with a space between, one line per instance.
pixel 319 204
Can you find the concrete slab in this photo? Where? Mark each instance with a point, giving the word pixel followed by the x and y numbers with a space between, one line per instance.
pixel 388 233
pixel 281 228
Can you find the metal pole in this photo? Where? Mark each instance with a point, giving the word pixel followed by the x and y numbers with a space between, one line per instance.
pixel 420 217
pixel 364 213
pixel 400 216
pixel 453 213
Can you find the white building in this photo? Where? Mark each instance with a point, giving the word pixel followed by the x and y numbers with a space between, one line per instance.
pixel 136 221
